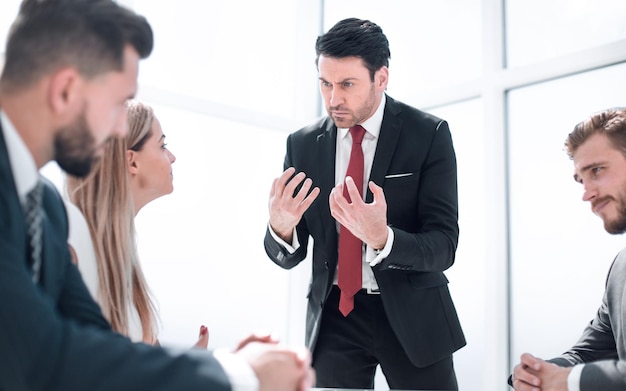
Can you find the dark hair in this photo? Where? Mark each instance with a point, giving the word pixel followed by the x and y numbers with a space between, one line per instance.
pixel 88 34
pixel 355 37
pixel 610 122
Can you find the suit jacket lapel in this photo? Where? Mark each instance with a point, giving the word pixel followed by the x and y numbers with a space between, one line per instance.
pixel 12 222
pixel 387 142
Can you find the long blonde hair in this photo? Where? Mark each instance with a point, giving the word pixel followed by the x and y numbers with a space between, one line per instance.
pixel 105 199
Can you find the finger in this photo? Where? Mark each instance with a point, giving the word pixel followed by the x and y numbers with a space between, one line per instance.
pixel 259 337
pixel 294 182
pixel 264 338
pixel 310 198
pixel 203 338
pixel 353 190
pixel 377 192
pixel 337 204
pixel 519 385
pixel 305 196
pixel 332 202
pixel 521 373
pixel 337 194
pixel 303 357
pixel 304 190
pixel 308 380
pixel 531 361
pixel 282 180
pixel 273 188
pixel 307 377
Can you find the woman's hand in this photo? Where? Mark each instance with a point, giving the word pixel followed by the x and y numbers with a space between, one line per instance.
pixel 203 339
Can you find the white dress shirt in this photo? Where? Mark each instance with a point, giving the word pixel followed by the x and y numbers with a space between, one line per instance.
pixel 573 379
pixel 23 167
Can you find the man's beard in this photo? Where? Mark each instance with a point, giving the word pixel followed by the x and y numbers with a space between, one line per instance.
pixel 618 225
pixel 74 147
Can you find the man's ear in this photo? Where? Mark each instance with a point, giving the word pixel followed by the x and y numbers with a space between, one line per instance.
pixel 131 162
pixel 381 78
pixel 64 91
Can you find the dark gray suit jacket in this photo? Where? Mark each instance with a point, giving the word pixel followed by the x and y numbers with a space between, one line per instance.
pixel 416 166
pixel 602 347
pixel 53 335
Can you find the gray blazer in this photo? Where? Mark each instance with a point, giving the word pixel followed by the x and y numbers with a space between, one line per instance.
pixel 602 347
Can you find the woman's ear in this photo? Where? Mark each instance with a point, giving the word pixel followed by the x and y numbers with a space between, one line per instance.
pixel 131 161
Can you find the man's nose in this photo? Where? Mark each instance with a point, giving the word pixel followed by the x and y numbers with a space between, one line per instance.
pixel 589 192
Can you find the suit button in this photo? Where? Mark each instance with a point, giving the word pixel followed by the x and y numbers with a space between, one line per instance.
pixel 326 264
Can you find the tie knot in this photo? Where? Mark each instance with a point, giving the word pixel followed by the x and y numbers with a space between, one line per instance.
pixel 357 132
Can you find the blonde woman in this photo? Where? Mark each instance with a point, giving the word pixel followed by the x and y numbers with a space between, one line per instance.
pixel 132 172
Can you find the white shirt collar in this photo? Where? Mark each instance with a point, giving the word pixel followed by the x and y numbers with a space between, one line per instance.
pixel 372 124
pixel 22 163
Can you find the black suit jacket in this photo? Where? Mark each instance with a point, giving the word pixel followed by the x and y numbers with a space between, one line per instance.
pixel 416 166
pixel 53 335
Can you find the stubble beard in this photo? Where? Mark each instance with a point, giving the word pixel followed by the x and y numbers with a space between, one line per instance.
pixel 618 225
pixel 74 147
pixel 363 113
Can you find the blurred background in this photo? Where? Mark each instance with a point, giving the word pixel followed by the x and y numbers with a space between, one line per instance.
pixel 229 80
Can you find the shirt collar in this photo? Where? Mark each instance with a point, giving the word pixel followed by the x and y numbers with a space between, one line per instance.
pixel 373 124
pixel 23 165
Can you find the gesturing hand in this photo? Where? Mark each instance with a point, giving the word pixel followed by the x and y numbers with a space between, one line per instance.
pixel 367 222
pixel 286 209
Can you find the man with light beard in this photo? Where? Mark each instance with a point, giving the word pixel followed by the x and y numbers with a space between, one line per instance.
pixel 597 361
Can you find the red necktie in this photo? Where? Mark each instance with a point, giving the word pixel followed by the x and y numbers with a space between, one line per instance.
pixel 349 270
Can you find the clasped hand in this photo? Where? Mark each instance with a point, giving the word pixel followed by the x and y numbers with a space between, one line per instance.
pixel 277 367
pixel 535 374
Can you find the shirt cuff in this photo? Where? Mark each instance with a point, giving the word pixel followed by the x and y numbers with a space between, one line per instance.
pixel 291 248
pixel 573 379
pixel 240 374
pixel 373 257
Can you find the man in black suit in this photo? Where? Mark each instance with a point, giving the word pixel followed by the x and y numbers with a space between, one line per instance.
pixel 403 317
pixel 597 361
pixel 70 66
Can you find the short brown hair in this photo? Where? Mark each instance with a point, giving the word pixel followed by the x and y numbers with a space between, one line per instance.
pixel 610 122
pixel 88 34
